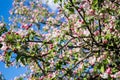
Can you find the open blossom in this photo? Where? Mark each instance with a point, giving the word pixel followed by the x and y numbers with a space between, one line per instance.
pixel 92 60
pixel 81 66
pixel 1 58
pixel 91 12
pixel 85 4
pixel 52 20
pixel 31 44
pixel 104 75
pixel 64 43
pixel 46 28
pixel 86 32
pixel 116 75
pixel 2 24
pixel 1 39
pixel 73 17
pixel 22 32
pixel 4 46
pixel 101 58
pixel 108 70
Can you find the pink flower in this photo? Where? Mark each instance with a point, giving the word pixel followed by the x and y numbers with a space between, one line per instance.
pixel 3 36
pixel 60 56
pixel 50 75
pixel 108 70
pixel 26 26
pixel 1 39
pixel 86 32
pixel 112 76
pixel 75 71
pixel 80 7
pixel 91 12
pixel 51 46
pixel 105 41
pixel 96 33
pixel 85 4
pixel 79 10
pixel 4 46
pixel 81 21
pixel 41 78
pixel 117 75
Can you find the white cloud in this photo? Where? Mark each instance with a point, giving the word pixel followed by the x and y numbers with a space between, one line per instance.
pixel 51 4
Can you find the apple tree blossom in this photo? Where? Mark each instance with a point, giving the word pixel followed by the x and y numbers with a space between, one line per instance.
pixel 80 40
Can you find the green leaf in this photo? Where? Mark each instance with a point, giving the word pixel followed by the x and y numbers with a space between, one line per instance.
pixel 71 10
pixel 85 79
pixel 22 59
pixel 7 58
pixel 117 25
pixel 94 4
pixel 102 69
pixel 55 1
pixel 18 46
pixel 18 57
pixel 58 66
pixel 2 30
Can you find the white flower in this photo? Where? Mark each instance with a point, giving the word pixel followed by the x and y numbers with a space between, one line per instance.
pixel 117 75
pixel 86 32
pixel 22 32
pixel 1 39
pixel 92 60
pixel 104 75
pixel 46 28
pixel 1 57
pixel 52 20
pixel 2 24
pixel 4 46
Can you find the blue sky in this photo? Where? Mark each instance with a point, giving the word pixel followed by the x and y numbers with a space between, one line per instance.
pixel 9 73
pixel 5 6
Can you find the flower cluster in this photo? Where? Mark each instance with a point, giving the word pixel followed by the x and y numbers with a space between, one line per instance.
pixel 79 41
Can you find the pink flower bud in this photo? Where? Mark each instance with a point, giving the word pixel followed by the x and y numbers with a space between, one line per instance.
pixel 8 32
pixel 105 41
pixel 41 78
pixel 3 36
pixel 96 33
pixel 80 7
pixel 79 10
pixel 108 70
pixel 111 29
pixel 112 76
pixel 91 12
pixel 16 33
pixel 51 46
pixel 60 10
pixel 75 72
